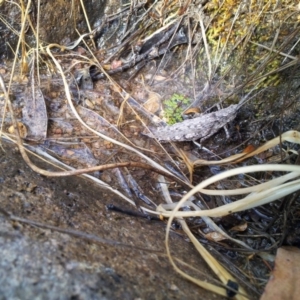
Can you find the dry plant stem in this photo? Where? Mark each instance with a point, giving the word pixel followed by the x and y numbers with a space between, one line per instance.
pixel 218 269
pixel 155 167
pixel 275 51
pixel 291 136
pixel 222 273
pixel 21 40
pixel 252 200
pixel 58 164
pixel 248 202
pixel 76 233
pixel 206 48
pixel 90 169
pixel 121 92
pixel 37 38
pixel 253 189
pixel 170 41
pixel 68 96
pixel 228 37
pixel 85 16
pixel 24 13
pixel 202 284
pixel 208 221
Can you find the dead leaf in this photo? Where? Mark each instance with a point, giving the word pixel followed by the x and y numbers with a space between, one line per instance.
pixel 241 227
pixel 284 282
pixel 22 130
pixel 153 103
pixel 192 110
pixel 249 149
pixel 35 113
pixel 215 236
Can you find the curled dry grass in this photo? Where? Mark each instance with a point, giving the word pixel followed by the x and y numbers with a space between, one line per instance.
pixel 257 195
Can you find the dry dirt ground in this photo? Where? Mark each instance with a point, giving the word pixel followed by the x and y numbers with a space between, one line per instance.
pixel 38 263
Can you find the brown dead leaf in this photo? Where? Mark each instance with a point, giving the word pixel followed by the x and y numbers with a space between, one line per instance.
pixel 153 103
pixel 22 130
pixel 192 110
pixel 249 149
pixel 284 282
pixel 241 227
pixel 215 236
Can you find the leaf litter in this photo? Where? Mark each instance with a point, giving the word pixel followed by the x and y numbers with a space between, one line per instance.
pixel 85 138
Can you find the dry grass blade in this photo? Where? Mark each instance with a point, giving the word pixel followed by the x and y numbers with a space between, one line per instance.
pixel 170 205
pixel 68 95
pixel 256 199
pixel 291 136
pixel 81 171
pixel 221 272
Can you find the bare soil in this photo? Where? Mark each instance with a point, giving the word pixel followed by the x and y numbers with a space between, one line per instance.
pixel 44 264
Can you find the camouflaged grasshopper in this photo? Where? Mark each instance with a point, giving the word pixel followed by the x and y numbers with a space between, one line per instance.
pixel 199 128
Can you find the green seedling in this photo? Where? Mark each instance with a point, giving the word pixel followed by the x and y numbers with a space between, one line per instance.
pixel 174 107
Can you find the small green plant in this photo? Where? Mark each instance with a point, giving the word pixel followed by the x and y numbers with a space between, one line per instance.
pixel 174 107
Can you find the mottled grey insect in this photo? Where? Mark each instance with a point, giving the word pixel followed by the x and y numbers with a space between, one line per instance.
pixel 199 128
